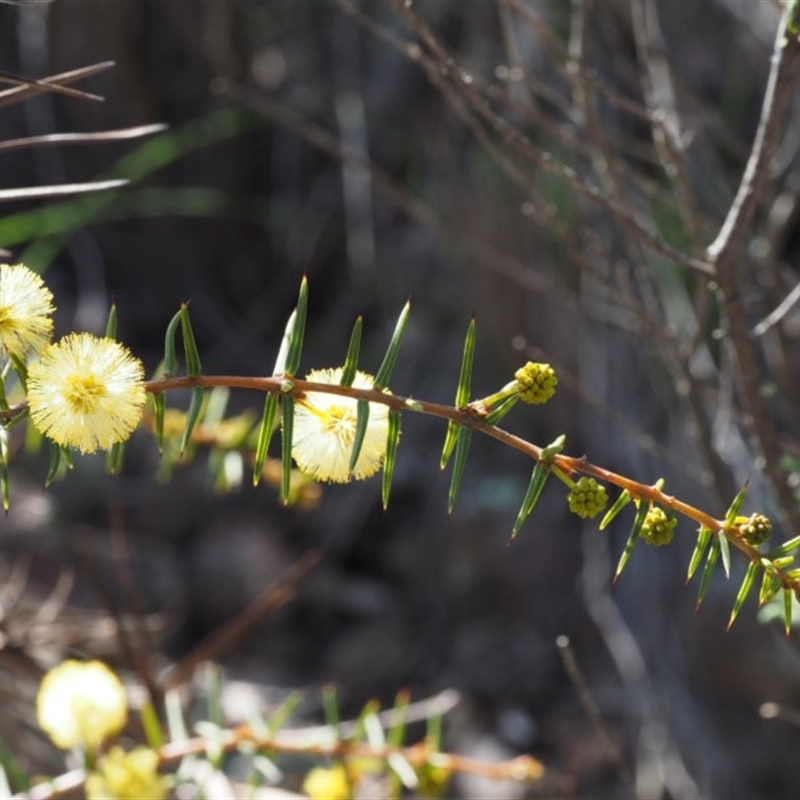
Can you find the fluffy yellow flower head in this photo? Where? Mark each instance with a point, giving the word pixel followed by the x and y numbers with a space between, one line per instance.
pixel 325 429
pixel 80 704
pixel 328 783
pixel 26 306
pixel 127 776
pixel 86 392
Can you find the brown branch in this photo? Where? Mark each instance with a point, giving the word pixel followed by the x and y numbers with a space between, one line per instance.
pixel 726 251
pixel 541 158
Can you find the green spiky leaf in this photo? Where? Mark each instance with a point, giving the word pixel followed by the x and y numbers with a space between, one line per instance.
pixel 736 505
pixel 265 431
pixel 783 549
pixel 192 415
pixel 708 570
pixel 465 376
pixel 703 539
pixel 191 353
pixel 287 414
pixel 351 359
pixel 21 368
pixel 500 411
pixel 159 410
pixel 60 459
pixel 449 443
pixel 170 358
pixel 744 590
pixel 538 478
pixel 114 458
pixel 612 512
pixel 283 351
pixel 385 370
pixel 298 332
pixel 392 440
pixel 362 421
pixel 4 458
pixel 787 609
pixel 633 538
pixel 725 552
pixel 111 323
pixel 770 583
pixel 462 449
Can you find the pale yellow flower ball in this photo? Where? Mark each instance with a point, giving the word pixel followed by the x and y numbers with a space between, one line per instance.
pixel 127 776
pixel 325 429
pixel 81 704
pixel 26 308
pixel 86 392
pixel 328 783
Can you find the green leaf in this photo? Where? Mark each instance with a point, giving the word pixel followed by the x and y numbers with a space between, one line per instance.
pixel 612 512
pixel 633 538
pixel 283 351
pixel 744 590
pixel 736 505
pixel 192 415
pixel 4 457
pixel 708 570
pixel 170 359
pixel 351 359
pixel 465 376
pixel 265 431
pixel 287 413
pixel 362 421
pixel 500 411
pixel 153 732
pixel 385 371
pixel 60 459
pixel 298 330
pixel 703 539
pixel 462 449
pixel 392 440
pixel 283 713
pixel 114 458
pixel 21 368
pixel 783 549
pixel 538 477
pixel 449 443
pixel 787 609
pixel 159 408
pixel 189 344
pixel 111 324
pixel 725 552
pixel 770 583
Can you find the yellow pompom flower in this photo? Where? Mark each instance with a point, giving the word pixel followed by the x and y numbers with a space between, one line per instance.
pixel 26 306
pixel 86 392
pixel 127 776
pixel 328 783
pixel 325 429
pixel 81 704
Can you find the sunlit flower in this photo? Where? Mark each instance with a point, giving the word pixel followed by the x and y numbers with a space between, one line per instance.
pixel 80 704
pixel 127 776
pixel 26 306
pixel 328 783
pixel 325 429
pixel 86 392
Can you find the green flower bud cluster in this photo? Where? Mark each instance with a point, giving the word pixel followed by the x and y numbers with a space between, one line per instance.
pixel 756 529
pixel 658 527
pixel 587 498
pixel 537 382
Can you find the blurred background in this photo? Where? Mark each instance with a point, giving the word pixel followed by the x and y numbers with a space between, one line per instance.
pixel 338 140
